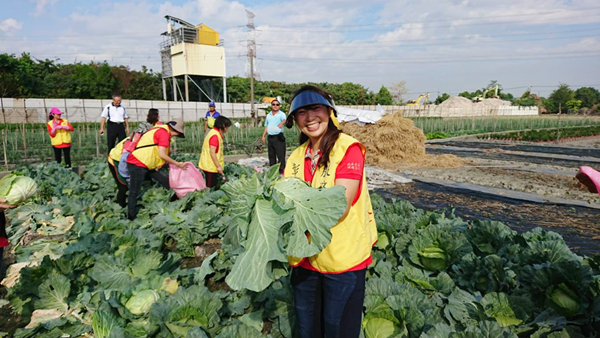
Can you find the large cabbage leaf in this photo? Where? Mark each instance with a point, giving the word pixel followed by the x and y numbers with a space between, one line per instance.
pixel 291 205
pixel 315 212
pixel 497 306
pixel 252 268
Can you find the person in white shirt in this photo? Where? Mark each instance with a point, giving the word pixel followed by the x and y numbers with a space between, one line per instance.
pixel 118 122
pixel 274 122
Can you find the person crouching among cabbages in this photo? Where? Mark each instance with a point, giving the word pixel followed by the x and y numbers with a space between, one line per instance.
pixel 151 153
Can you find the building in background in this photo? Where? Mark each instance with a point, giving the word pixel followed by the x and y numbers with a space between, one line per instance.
pixel 194 54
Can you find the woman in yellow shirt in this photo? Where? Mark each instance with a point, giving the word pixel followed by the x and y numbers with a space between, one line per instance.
pixel 329 288
pixel 60 136
pixel 212 159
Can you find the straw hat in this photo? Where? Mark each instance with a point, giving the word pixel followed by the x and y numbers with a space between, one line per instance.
pixel 178 126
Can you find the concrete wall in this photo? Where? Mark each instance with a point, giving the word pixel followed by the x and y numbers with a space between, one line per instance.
pixel 79 110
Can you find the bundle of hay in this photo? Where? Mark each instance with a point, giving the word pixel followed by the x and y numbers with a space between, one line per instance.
pixel 395 141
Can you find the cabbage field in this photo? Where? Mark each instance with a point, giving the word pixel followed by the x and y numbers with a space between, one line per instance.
pixel 213 264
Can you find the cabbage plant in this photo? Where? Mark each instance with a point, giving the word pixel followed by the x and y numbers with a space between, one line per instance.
pixel 16 189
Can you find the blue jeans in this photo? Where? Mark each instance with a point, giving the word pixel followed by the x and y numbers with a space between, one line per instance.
pixel 328 305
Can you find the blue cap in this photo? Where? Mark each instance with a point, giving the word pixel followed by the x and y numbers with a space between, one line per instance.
pixel 309 98
pixel 211 104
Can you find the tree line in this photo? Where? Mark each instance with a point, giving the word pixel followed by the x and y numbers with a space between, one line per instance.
pixel 24 76
pixel 563 99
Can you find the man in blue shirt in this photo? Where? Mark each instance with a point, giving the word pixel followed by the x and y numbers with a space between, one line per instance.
pixel 274 127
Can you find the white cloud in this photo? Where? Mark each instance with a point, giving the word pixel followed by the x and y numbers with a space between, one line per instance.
pixel 10 25
pixel 317 40
pixel 409 31
pixel 40 6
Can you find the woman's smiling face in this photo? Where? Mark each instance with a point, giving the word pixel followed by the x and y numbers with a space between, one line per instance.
pixel 313 120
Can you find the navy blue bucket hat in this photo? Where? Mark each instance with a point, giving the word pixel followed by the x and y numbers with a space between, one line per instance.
pixel 304 99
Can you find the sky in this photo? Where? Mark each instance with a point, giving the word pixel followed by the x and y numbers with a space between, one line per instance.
pixel 434 46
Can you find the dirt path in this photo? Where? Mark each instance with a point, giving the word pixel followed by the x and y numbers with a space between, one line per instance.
pixel 543 170
pixel 514 177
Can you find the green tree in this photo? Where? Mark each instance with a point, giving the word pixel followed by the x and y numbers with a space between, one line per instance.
pixel 468 95
pixel 442 98
pixel 560 96
pixel 238 89
pixel 9 82
pixel 144 85
pixel 589 96
pixel 384 97
pixel 573 105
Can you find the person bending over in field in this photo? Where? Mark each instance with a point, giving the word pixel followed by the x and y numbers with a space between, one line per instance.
pixel 151 153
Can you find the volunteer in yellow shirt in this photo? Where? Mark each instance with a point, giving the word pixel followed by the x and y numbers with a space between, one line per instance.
pixel 151 153
pixel 60 136
pixel 333 280
pixel 212 159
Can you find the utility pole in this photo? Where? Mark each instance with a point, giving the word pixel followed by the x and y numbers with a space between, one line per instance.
pixel 251 43
pixel 252 113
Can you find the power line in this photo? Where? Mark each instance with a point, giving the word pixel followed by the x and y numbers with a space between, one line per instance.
pixel 440 60
pixel 327 43
pixel 380 44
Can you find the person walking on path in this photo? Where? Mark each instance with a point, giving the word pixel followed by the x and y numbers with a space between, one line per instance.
pixel 274 122
pixel 115 115
pixel 212 159
pixel 60 136
pixel 329 288
pixel 210 117
pixel 151 153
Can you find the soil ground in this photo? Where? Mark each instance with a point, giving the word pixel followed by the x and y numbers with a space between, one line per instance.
pixel 541 169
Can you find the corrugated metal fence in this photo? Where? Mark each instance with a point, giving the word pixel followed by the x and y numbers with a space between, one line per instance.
pixel 80 110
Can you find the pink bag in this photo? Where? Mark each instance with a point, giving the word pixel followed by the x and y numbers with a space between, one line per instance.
pixel 590 178
pixel 185 180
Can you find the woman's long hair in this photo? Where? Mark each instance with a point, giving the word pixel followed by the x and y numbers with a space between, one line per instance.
pixel 222 122
pixel 152 117
pixel 331 135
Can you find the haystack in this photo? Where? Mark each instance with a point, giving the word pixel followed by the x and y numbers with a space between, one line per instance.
pixel 395 141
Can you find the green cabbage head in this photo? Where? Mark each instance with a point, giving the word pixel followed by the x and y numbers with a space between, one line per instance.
pixel 17 189
pixel 563 300
pixel 141 302
pixel 433 258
